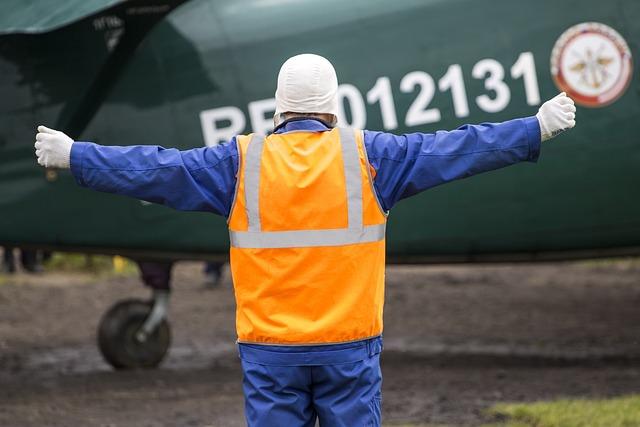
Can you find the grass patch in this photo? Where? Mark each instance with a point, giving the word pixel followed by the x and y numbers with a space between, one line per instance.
pixel 629 262
pixel 94 264
pixel 616 412
pixel 416 425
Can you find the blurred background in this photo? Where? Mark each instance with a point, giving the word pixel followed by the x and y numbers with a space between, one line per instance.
pixel 511 297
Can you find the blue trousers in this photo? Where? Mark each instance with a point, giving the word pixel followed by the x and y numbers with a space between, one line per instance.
pixel 341 394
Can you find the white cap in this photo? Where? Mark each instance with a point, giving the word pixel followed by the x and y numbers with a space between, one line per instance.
pixel 307 83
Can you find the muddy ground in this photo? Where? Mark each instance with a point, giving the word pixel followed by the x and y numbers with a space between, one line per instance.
pixel 457 340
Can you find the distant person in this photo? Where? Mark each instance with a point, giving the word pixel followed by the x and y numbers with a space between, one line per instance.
pixel 8 260
pixel 30 260
pixel 307 220
pixel 213 273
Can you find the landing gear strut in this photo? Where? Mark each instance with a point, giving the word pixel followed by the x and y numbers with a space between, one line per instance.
pixel 135 334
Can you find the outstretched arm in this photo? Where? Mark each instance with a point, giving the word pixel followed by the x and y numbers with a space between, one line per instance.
pixel 408 164
pixel 201 179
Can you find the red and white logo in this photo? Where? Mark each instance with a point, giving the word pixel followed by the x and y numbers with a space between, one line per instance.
pixel 592 63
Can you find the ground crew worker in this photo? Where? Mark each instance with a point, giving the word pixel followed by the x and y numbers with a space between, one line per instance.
pixel 307 208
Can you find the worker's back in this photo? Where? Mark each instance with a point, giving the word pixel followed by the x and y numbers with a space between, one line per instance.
pixel 307 240
pixel 306 229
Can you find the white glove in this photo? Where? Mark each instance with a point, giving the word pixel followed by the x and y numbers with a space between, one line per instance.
pixel 53 148
pixel 556 115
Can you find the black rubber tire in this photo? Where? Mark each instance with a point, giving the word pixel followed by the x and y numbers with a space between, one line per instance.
pixel 116 336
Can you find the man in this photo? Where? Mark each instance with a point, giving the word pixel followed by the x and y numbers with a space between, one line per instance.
pixel 31 260
pixel 307 208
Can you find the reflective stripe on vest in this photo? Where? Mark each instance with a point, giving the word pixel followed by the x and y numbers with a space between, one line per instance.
pixel 355 231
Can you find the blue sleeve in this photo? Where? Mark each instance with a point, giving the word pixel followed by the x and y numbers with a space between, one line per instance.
pixel 201 179
pixel 408 164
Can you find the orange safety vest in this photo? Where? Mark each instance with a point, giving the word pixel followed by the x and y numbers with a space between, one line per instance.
pixel 307 240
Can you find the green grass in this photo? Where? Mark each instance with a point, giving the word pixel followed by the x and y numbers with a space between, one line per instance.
pixel 417 425
pixel 631 261
pixel 617 412
pixel 95 264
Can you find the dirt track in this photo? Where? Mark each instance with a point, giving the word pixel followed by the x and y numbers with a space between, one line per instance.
pixel 457 340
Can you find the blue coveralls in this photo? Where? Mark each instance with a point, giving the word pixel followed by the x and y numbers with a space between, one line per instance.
pixel 291 386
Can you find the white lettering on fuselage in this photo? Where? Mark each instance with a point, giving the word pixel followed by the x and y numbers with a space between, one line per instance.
pixel 222 123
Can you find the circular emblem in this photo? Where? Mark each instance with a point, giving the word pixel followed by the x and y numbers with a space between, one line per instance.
pixel 592 63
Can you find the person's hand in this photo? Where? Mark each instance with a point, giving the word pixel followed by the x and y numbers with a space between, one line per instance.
pixel 556 115
pixel 53 148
